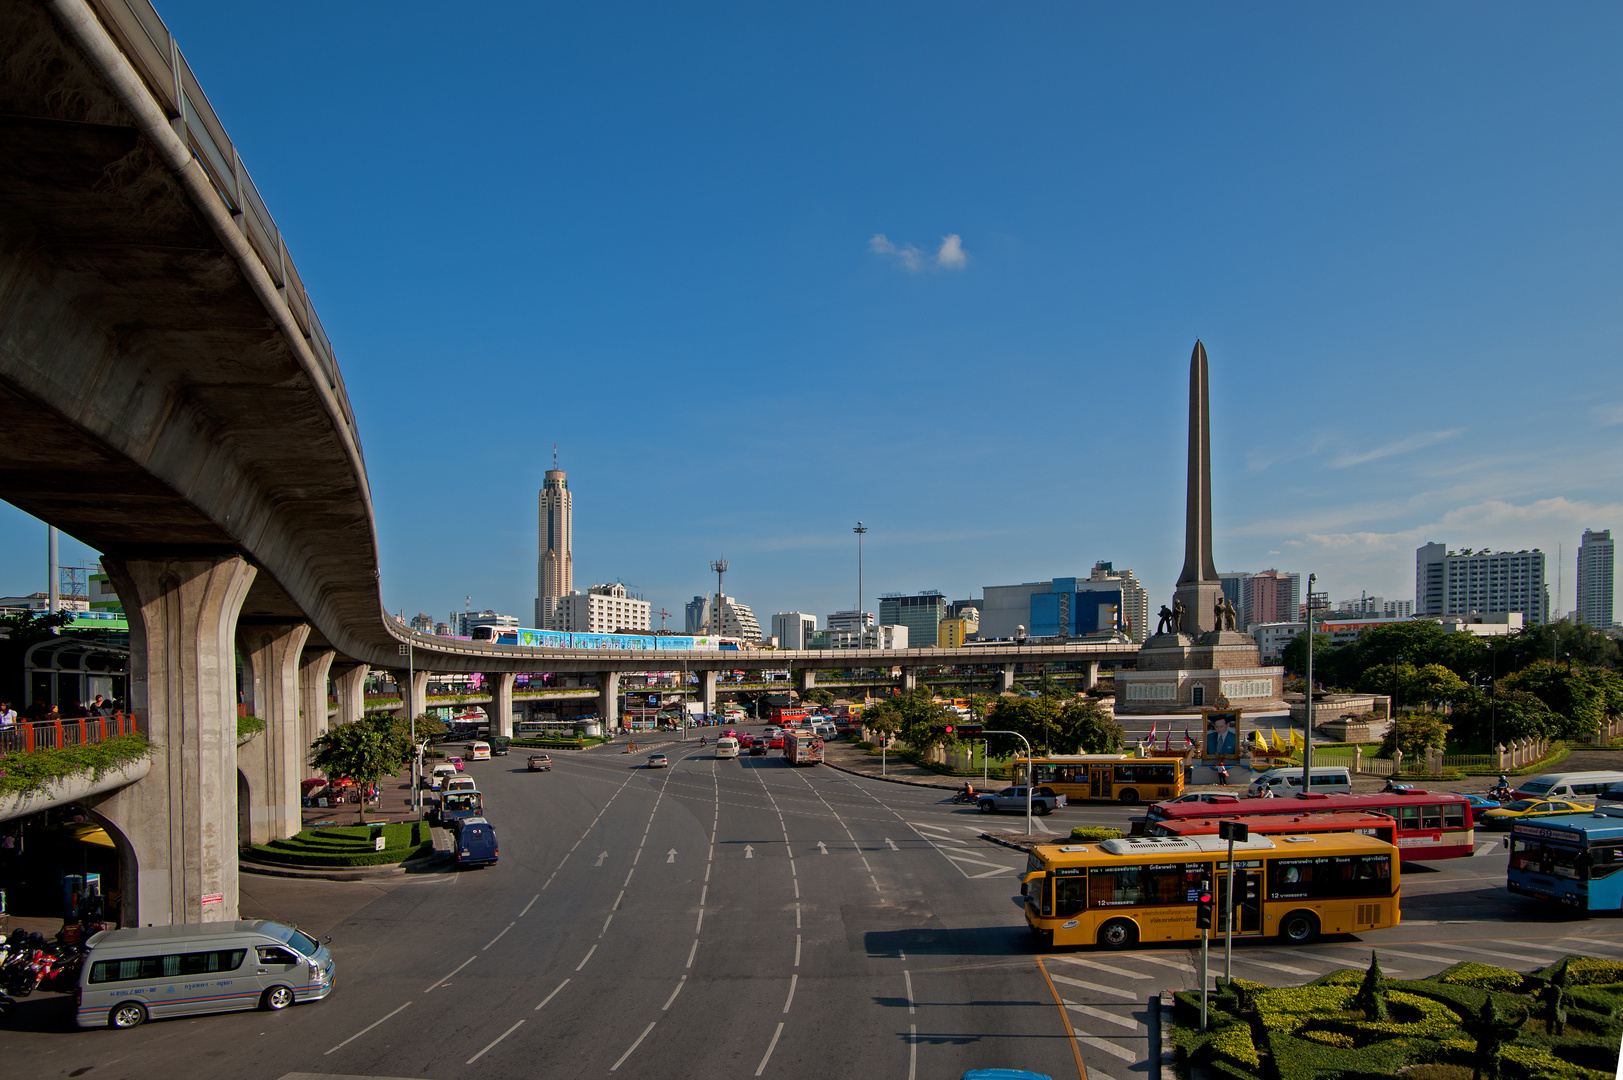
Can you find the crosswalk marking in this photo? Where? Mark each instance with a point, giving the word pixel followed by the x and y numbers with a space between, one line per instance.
pixel 1593 941
pixel 1418 956
pixel 1274 965
pixel 1181 965
pixel 1540 948
pixel 955 857
pixel 1095 987
pixel 1100 1014
pixel 1110 1048
pixel 1519 957
pixel 1122 972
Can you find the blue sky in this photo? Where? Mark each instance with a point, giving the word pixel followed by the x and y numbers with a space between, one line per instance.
pixel 646 233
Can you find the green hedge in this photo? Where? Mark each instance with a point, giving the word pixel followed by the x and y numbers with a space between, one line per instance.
pixel 249 725
pixel 1095 833
pixel 1481 976
pixel 28 774
pixel 352 846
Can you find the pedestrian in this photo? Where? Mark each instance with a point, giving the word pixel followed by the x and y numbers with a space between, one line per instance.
pixel 1223 773
pixel 8 715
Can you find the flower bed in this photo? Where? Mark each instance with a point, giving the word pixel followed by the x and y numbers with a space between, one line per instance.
pixel 348 846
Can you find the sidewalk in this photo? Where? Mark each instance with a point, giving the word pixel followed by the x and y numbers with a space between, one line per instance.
pixel 844 755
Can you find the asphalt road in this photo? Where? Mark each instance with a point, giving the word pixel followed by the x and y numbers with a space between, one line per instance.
pixel 739 918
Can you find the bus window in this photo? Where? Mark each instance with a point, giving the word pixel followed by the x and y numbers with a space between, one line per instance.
pixel 1123 886
pixel 1604 862
pixel 1431 817
pixel 1454 816
pixel 1070 896
pixel 1342 875
pixel 1410 819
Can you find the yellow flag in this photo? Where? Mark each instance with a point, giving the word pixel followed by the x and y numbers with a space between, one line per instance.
pixel 1296 739
pixel 1259 741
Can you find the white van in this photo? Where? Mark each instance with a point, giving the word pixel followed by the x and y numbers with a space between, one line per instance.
pixel 726 747
pixel 155 972
pixel 1325 780
pixel 1582 786
pixel 460 783
pixel 479 751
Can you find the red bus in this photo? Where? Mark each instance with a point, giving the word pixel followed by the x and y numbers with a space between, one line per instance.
pixel 790 715
pixel 1377 825
pixel 1430 824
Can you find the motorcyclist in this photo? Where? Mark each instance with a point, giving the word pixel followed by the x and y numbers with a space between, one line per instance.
pixel 1501 790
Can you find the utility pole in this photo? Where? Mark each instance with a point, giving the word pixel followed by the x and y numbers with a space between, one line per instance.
pixel 720 567
pixel 53 572
pixel 1307 731
pixel 860 529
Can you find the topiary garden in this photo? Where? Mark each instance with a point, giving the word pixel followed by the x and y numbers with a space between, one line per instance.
pixel 1469 1022
pixel 348 846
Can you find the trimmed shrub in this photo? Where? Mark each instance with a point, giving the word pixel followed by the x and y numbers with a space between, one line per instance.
pixel 1536 1063
pixel 1095 833
pixel 1284 1010
pixel 1330 1038
pixel 348 846
pixel 1590 971
pixel 1234 1042
pixel 1434 1017
pixel 1344 977
pixel 27 774
pixel 1481 976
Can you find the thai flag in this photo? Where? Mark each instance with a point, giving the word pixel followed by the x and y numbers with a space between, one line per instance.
pixel 1153 726
pixel 1188 739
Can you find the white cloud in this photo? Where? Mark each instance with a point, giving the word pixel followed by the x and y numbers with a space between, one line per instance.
pixel 1401 446
pixel 949 256
pixel 1610 414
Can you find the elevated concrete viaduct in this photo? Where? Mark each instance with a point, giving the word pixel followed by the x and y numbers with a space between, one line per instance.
pixel 171 400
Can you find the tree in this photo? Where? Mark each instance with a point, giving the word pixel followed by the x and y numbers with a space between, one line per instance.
pixel 1557 641
pixel 1582 696
pixel 1484 719
pixel 1491 1032
pixel 1372 992
pixel 819 696
pixel 1434 684
pixel 1295 655
pixel 1035 718
pixel 914 716
pixel 1413 732
pixel 1389 679
pixel 1083 727
pixel 366 752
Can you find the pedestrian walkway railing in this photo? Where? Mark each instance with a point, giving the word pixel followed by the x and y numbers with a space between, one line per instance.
pixel 27 737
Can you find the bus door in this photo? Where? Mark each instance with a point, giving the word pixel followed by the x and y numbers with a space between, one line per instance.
pixel 1099 781
pixel 1248 901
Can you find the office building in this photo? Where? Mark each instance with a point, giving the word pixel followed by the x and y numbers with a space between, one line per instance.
pixel 556 569
pixel 793 629
pixel 1272 596
pixel 850 622
pixel 1375 607
pixel 1234 591
pixel 1065 606
pixel 725 616
pixel 1482 582
pixel 603 609
pixel 696 614
pixel 921 613
pixel 954 632
pixel 1135 599
pixel 1272 638
pixel 423 622
pixel 1595 578
pixel 467 621
pixel 869 637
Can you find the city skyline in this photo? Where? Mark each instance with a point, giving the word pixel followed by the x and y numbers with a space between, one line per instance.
pixel 927 273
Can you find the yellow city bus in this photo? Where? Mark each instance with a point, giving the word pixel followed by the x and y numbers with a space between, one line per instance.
pixel 1124 778
pixel 1142 889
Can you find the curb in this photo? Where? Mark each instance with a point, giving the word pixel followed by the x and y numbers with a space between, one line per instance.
pixel 1057 838
pixel 359 873
pixel 893 779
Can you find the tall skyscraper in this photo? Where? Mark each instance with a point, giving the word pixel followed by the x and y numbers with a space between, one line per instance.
pixel 1481 582
pixel 556 570
pixel 1595 577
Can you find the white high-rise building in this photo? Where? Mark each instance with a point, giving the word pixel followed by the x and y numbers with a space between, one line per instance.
pixel 793 629
pixel 603 609
pixel 1595 577
pixel 729 618
pixel 1481 582
pixel 556 569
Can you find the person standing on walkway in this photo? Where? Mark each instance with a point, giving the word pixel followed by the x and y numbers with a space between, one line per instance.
pixel 1223 773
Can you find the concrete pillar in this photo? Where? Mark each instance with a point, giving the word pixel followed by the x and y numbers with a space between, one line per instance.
pixel 910 680
pixel 273 761
pixel 315 665
pixel 707 691
pixel 805 680
pixel 608 699
pixel 350 683
pixel 413 697
pixel 177 828
pixel 501 702
pixel 1090 674
pixel 1006 679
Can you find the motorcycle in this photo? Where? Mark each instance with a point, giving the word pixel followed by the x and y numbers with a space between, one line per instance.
pixel 963 796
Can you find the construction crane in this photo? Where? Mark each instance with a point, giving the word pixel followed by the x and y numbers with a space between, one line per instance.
pixel 663 615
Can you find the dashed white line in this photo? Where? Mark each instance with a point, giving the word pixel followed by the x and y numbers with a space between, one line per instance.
pixel 692 953
pixel 797 950
pixel 364 1030
pixel 530 905
pixel 585 958
pixel 633 870
pixel 634 1046
pixel 459 967
pixel 498 1039
pixel 616 905
pixel 498 937
pixel 794 981
pixel 679 984
pixel 606 922
pixel 761 1068
pixel 550 996
pixel 698 924
pixel 912 1051
pixel 908 975
pixel 1101 1014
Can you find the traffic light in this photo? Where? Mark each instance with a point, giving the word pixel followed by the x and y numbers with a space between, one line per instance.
pixel 1203 910
pixel 971 731
pixel 947 730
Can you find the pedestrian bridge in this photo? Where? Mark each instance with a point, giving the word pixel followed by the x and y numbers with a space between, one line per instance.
pixel 174 402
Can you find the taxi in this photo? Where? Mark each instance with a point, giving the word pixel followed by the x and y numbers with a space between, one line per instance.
pixel 1505 816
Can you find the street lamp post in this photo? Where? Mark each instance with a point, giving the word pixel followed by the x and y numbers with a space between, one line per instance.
pixel 1029 771
pixel 411 719
pixel 859 529
pixel 1307 733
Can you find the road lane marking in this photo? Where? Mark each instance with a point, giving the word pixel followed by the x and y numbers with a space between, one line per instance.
pixel 616 905
pixel 363 1031
pixel 498 937
pixel 499 1038
pixel 908 975
pixel 634 1046
pixel 692 953
pixel 679 984
pixel 1123 972
pixel 1095 987
pixel 600 859
pixel 1181 965
pixel 633 870
pixel 585 958
pixel 912 1051
pixel 1592 941
pixel 699 924
pixel 822 847
pixel 1521 943
pixel 550 996
pixel 1418 956
pixel 797 916
pixel 606 922
pixel 704 892
pixel 459 967
pixel 530 905
pixel 1487 952
pixel 670 856
pixel 1101 1014
pixel 1275 965
pixel 749 851
pixel 797 950
pixel 1070 1032
pixel 892 844
pixel 1110 1048
pixel 761 1068
pixel 797 881
pixel 794 981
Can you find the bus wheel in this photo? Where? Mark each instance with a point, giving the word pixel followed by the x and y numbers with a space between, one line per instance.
pixel 1128 797
pixel 1118 934
pixel 1299 927
pixel 127 1015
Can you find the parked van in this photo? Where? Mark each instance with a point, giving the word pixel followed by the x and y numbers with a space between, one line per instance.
pixel 459 783
pixel 1325 780
pixel 726 747
pixel 1583 786
pixel 155 972
pixel 479 751
pixel 475 843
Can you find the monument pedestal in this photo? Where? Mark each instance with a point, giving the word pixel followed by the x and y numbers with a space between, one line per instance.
pixel 1180 674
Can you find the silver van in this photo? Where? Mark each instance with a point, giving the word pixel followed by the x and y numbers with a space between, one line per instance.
pixel 1324 779
pixel 162 971
pixel 1582 786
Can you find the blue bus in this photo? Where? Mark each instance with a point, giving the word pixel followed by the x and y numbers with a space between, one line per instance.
pixel 1573 859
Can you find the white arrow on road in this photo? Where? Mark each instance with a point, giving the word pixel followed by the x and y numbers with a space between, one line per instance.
pixel 749 851
pixel 600 859
pixel 670 856
pixel 822 847
pixel 892 844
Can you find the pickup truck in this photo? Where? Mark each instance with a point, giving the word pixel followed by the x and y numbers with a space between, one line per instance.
pixel 455 806
pixel 1043 800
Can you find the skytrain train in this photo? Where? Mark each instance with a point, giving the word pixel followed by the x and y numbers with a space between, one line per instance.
pixel 563 639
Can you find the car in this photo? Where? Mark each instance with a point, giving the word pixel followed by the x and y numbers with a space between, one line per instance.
pixel 455 763
pixel 1043 800
pixel 758 748
pixel 1503 817
pixel 435 778
pixel 479 751
pixel 1479 802
pixel 658 761
pixel 775 742
pixel 540 763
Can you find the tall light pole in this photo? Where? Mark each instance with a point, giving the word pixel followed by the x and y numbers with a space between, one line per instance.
pixel 411 719
pixel 859 529
pixel 720 567
pixel 1307 733
pixel 1030 771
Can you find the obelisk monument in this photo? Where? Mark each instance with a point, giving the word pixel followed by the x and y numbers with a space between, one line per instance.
pixel 1199 588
